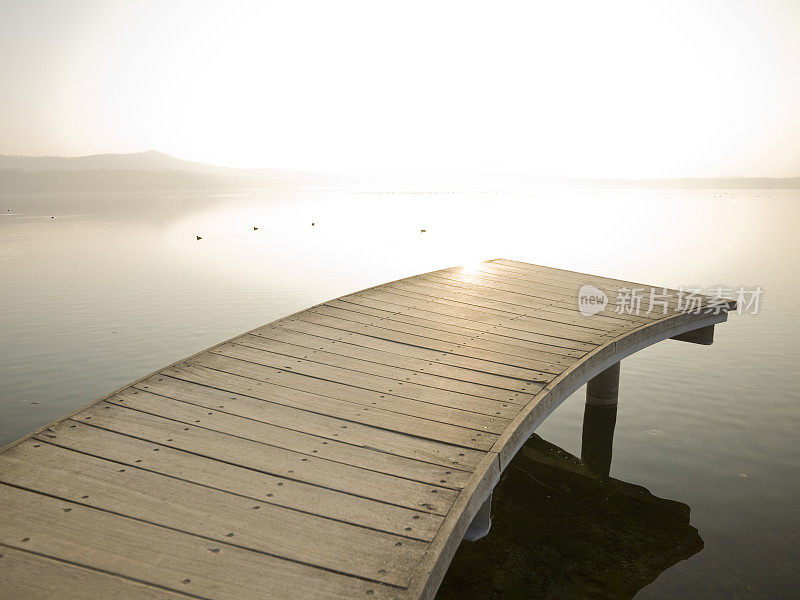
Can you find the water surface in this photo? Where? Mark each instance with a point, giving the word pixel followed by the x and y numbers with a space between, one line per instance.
pixel 97 290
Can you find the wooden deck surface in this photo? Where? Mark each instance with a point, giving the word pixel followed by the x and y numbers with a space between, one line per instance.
pixel 340 452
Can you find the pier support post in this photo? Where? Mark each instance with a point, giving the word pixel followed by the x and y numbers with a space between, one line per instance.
pixel 482 522
pixel 603 389
pixel 703 336
pixel 597 438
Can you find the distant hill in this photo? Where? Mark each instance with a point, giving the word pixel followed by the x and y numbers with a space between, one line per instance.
pixel 513 180
pixel 715 183
pixel 149 170
pixel 153 170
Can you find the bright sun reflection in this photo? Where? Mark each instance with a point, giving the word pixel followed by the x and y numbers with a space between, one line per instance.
pixel 381 235
pixel 472 267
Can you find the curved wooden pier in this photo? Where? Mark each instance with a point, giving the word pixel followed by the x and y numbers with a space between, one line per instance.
pixel 341 452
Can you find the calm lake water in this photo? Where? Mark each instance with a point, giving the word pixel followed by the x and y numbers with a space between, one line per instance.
pixel 97 290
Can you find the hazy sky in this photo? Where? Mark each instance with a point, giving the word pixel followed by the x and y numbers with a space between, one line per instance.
pixel 554 88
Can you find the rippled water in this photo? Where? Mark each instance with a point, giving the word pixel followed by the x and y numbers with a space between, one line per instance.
pixel 99 289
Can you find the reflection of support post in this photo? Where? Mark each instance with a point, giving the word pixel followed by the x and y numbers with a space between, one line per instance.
pixel 481 523
pixel 597 440
pixel 603 389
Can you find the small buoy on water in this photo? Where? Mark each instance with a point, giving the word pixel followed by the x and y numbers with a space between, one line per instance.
pixel 198 237
pixel 255 228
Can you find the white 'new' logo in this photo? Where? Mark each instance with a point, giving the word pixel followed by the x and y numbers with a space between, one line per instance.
pixel 591 300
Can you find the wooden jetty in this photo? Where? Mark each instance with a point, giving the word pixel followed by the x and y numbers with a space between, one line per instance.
pixel 341 452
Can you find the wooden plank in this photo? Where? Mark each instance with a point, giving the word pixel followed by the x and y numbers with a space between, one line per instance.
pixel 410 362
pixel 502 332
pixel 268 459
pixel 395 342
pixel 536 289
pixel 547 329
pixel 377 377
pixel 376 383
pixel 312 446
pixel 447 342
pixel 212 514
pixel 309 445
pixel 494 275
pixel 333 359
pixel 548 277
pixel 576 328
pixel 364 396
pixel 508 332
pixel 406 425
pixel 521 319
pixel 535 273
pixel 447 286
pixel 489 325
pixel 315 423
pixel 26 576
pixel 245 482
pixel 489 287
pixel 174 560
pixel 575 279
